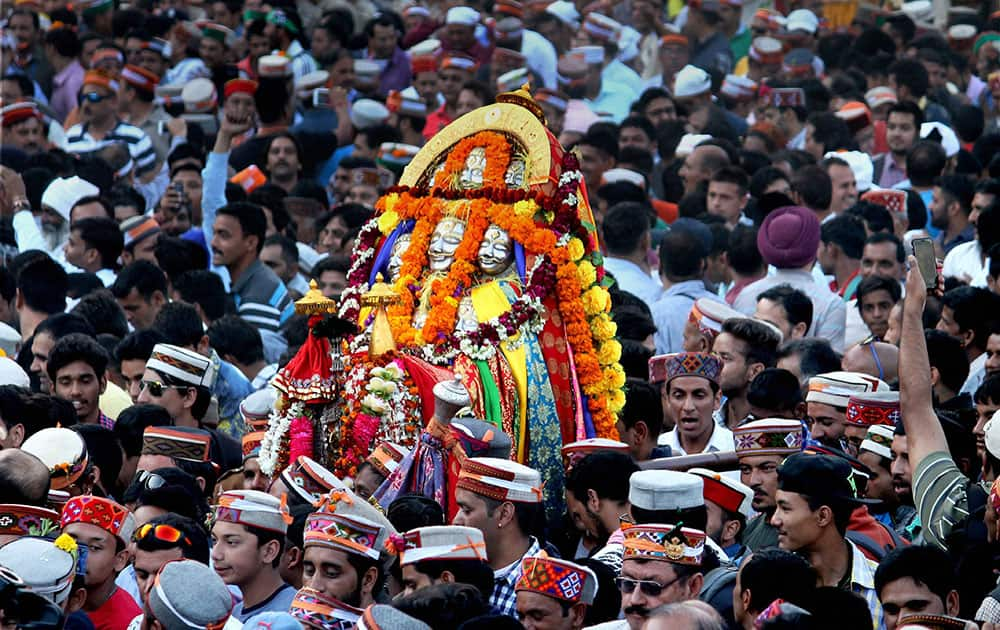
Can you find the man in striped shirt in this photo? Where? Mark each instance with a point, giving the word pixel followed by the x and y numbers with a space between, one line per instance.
pixel 101 126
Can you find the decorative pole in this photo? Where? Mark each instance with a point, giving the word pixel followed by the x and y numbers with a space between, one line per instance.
pixel 379 298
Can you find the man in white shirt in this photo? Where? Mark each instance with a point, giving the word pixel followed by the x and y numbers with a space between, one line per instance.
pixel 627 239
pixel 691 388
pixel 969 262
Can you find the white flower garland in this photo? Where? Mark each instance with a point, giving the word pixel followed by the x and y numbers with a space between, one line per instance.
pixel 277 428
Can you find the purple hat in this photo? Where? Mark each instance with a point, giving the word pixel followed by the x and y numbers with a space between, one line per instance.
pixel 789 237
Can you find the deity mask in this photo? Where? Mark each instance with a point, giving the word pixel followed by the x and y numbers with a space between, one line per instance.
pixel 396 256
pixel 444 241
pixel 496 252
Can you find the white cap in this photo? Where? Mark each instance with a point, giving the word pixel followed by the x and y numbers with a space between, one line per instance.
pixel 991 433
pixel 836 388
pixel 590 54
pixel 311 81
pixel 462 15
pixel 614 175
pixel 199 96
pixel 566 12
pixel 367 113
pixel 802 20
pixel 688 142
pixel 657 490
pixel 949 141
pixel 691 81
pixel 918 10
pixel 63 193
pixel 729 494
pixel 426 47
pixel 10 340
pixel 12 374
pixel 443 542
pixel 878 440
pixel 861 165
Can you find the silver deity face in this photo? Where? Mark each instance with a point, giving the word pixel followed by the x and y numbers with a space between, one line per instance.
pixel 444 241
pixel 496 251
pixel 396 256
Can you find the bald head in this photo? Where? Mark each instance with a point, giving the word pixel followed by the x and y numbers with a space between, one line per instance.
pixel 701 164
pixel 24 478
pixel 867 359
pixel 687 615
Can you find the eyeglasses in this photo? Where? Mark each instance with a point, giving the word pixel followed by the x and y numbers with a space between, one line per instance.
pixel 164 533
pixel 151 481
pixel 92 97
pixel 156 387
pixel 648 587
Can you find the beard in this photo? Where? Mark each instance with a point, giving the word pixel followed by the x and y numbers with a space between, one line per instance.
pixel 55 235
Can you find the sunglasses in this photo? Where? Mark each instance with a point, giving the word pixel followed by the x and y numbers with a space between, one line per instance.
pixel 648 587
pixel 93 97
pixel 164 533
pixel 150 481
pixel 156 387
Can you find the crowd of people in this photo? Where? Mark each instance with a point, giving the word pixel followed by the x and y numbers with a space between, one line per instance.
pixel 811 430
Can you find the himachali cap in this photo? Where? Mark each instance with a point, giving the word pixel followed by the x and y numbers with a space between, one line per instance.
pixel 509 29
pixel 396 156
pixel 510 81
pixel 931 622
pixel 856 115
pixel 667 367
pixel 256 408
pixel 219 33
pixel 199 96
pixel 554 99
pixel 572 71
pixel 189 594
pixel 948 139
pixel 557 579
pixel 589 54
pixel 399 103
pixel 274 67
pixel 674 39
pixel 365 177
pixel 140 78
pixel 428 47
pixel 602 28
pixel 310 481
pixel 27 520
pixel 512 8
pixel 691 81
pixel 575 451
pixel 769 436
pixel 423 63
pixel 688 142
pixel 157 45
pixel 182 364
pixel 462 15
pixel 879 96
pixel 500 480
pixel 47 567
pixel 458 61
pixel 253 509
pixel 508 57
pixel 836 388
pixel 346 522
pixel 386 457
pixel 137 229
pixel 183 443
pixel 878 440
pixel 657 490
pixel 864 410
pixel 62 451
pixel 239 86
pixel 96 77
pixel 104 513
pixel 669 543
pixel 861 165
pixel 991 435
pixel 315 610
pixel 251 444
pixel 961 36
pixel 798 62
pixel 566 12
pixel 767 51
pixel 787 97
pixel 475 433
pixel 385 617
pixel 106 54
pixel 729 494
pixel 710 314
pixel 892 200
pixel 615 175
pixel 739 88
pixel 311 81
pixel 19 112
pixel 367 70
pixel 443 542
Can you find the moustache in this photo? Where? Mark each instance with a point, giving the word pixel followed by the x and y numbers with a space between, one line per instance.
pixel 641 611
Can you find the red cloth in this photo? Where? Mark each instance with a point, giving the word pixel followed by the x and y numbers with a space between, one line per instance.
pixel 116 613
pixel 425 376
pixel 864 523
pixel 436 121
